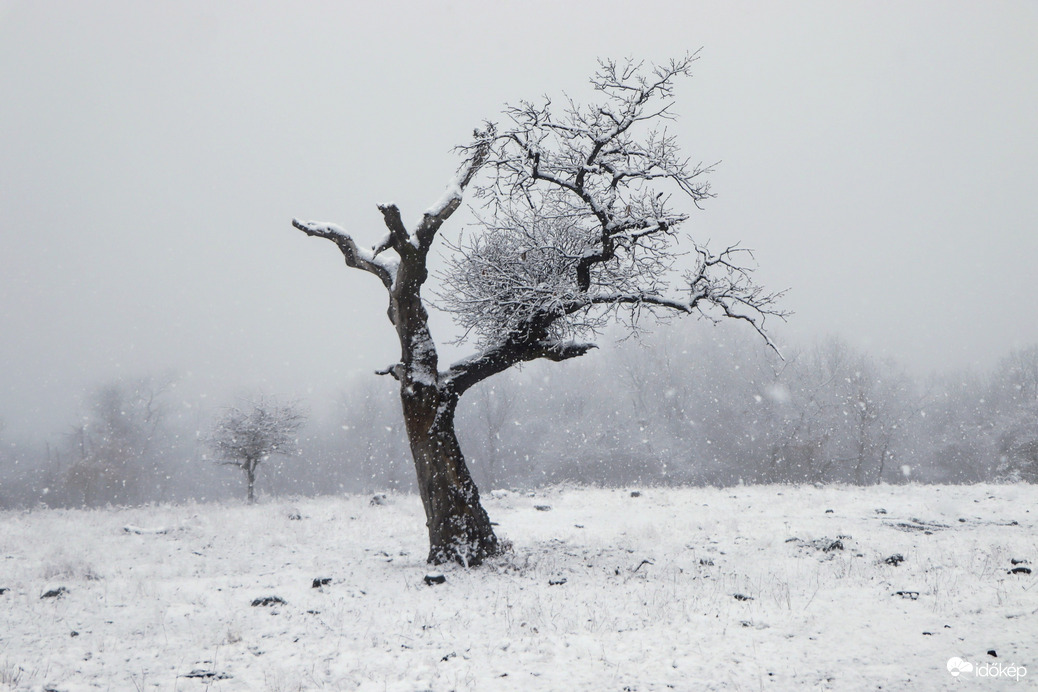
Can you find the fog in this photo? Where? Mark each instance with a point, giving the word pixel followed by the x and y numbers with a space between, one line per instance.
pixel 879 159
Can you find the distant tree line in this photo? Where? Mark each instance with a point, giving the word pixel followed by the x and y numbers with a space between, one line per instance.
pixel 687 406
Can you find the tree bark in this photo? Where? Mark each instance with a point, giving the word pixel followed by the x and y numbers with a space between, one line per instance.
pixel 459 528
pixel 250 476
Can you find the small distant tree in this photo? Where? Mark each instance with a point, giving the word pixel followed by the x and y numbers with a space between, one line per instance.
pixel 247 437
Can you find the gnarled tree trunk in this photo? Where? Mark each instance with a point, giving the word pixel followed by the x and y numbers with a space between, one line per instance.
pixel 459 528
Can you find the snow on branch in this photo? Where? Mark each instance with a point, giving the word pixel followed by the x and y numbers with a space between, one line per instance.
pixel 356 257
pixel 245 437
pixel 476 155
pixel 579 224
pixel 469 371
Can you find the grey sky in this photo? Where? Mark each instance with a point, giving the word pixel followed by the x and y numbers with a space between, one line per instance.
pixel 879 157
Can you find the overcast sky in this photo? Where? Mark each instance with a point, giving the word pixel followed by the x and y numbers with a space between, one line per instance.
pixel 881 158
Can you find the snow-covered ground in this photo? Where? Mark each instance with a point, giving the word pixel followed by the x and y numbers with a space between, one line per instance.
pixel 729 589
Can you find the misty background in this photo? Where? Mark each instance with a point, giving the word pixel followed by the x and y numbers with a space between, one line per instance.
pixel 879 159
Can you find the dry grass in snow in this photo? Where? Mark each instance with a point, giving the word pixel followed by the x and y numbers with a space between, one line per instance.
pixel 688 589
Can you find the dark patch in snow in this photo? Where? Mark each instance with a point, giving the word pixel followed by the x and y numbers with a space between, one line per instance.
pixel 321 581
pixel 895 559
pixel 379 500
pixel 268 601
pixel 927 527
pixel 824 544
pixel 706 562
pixel 880 510
pixel 55 593
pixel 3 591
pixel 542 508
pixel 449 656
pixel 636 493
pixel 557 582
pixel 206 675
pixel 1020 570
pixel 828 511
pixel 992 653
pixel 431 579
pixel 294 515
pixel 911 595
pixel 1013 561
pixel 742 597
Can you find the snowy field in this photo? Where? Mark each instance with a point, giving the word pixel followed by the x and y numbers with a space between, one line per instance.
pixel 755 588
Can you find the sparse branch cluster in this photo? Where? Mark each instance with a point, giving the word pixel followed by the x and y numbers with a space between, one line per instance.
pixel 579 223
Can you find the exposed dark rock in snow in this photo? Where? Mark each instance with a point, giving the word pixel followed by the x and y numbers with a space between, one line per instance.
pixel 557 582
pixel 294 515
pixel 1020 570
pixel 895 559
pixel 912 595
pixel 268 601
pixel 880 510
pixel 431 579
pixel 636 493
pixel 542 508
pixel 3 590
pixel 321 581
pixel 824 544
pixel 378 500
pixel 992 653
pixel 55 593
pixel 742 597
pixel 1014 561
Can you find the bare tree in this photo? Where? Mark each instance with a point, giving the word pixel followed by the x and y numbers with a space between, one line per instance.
pixel 577 228
pixel 247 437
pixel 112 446
pixel 1014 415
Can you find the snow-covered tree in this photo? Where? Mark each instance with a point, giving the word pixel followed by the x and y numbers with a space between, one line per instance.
pixel 247 437
pixel 578 226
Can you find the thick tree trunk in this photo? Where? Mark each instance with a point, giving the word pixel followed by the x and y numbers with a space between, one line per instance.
pixel 459 528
